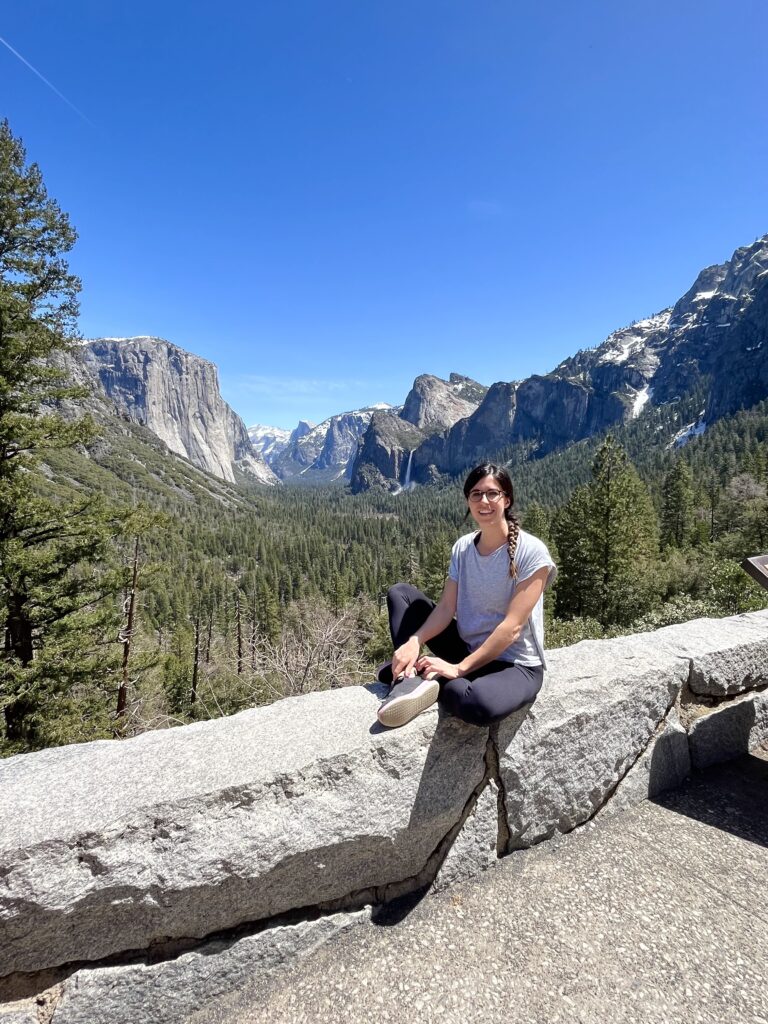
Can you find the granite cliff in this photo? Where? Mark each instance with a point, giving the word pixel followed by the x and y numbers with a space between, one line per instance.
pixel 436 404
pixel 175 395
pixel 720 324
pixel 329 450
pixel 385 456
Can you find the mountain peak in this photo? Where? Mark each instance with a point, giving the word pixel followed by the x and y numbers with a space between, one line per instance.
pixel 435 404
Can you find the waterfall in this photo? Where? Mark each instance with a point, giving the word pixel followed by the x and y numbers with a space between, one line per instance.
pixel 407 483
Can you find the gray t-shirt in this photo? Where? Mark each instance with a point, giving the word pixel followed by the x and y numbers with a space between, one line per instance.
pixel 486 588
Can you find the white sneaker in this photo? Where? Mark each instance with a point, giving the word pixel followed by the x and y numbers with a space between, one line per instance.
pixel 407 699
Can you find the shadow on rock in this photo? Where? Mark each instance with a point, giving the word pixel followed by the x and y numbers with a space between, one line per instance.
pixel 732 797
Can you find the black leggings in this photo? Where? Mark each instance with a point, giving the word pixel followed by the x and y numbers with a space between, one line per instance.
pixel 485 695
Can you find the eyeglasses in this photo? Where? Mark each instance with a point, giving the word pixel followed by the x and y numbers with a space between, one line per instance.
pixel 476 496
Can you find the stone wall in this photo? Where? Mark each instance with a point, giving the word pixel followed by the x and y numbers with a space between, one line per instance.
pixel 141 878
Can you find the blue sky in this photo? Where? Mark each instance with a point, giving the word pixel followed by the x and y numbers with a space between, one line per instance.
pixel 329 197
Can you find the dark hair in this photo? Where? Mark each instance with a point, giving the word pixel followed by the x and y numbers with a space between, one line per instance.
pixel 503 479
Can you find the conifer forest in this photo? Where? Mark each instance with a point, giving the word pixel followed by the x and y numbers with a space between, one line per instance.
pixel 137 593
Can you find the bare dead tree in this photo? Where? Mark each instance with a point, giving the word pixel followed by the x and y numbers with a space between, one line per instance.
pixel 126 632
pixel 196 660
pixel 317 650
pixel 239 624
pixel 209 638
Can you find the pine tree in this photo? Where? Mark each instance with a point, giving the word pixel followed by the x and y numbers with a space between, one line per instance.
pixel 54 576
pixel 677 522
pixel 578 572
pixel 536 521
pixel 607 538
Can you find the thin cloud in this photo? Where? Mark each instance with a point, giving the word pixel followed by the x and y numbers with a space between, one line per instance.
pixel 50 85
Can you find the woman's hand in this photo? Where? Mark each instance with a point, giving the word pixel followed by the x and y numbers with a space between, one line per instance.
pixel 428 665
pixel 405 657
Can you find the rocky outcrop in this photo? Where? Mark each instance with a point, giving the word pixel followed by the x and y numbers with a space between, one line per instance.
pixel 130 868
pixel 433 404
pixel 175 395
pixel 385 455
pixel 470 440
pixel 719 336
pixel 330 450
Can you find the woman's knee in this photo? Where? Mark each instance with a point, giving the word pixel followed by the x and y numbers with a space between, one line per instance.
pixel 402 593
pixel 484 705
pixel 477 710
pixel 459 698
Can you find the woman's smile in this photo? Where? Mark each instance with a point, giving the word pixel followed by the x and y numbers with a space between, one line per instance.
pixel 487 504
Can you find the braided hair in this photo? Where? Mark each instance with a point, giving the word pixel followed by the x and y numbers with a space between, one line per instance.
pixel 502 478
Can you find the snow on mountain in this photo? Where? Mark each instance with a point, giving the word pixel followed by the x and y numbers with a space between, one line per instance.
pixel 709 343
pixel 323 453
pixel 631 342
pixel 682 437
pixel 270 441
pixel 642 397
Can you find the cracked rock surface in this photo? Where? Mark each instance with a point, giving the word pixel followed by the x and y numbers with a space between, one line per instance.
pixel 729 730
pixel 139 866
pixel 656 916
pixel 170 991
pixel 727 655
pixel 664 764
pixel 600 705
pixel 108 846
pixel 474 848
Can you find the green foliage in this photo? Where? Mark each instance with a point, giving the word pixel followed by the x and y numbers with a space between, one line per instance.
pixel 57 564
pixel 608 543
pixel 564 632
pixel 680 608
pixel 676 521
pixel 38 295
pixel 336 551
pixel 731 591
pixel 378 647
pixel 538 521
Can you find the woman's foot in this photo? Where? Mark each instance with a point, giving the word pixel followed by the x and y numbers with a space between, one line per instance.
pixel 408 698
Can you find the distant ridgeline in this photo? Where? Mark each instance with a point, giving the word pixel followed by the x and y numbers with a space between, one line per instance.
pixel 703 358
pixel 708 348
pixel 246 585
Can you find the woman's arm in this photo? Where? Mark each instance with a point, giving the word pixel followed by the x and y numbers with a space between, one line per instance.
pixel 527 593
pixel 405 657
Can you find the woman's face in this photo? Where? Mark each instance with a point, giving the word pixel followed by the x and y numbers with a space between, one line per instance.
pixel 485 511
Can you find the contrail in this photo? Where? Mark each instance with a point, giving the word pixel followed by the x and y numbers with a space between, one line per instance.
pixel 49 84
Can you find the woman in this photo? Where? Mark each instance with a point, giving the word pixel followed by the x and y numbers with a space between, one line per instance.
pixel 486 633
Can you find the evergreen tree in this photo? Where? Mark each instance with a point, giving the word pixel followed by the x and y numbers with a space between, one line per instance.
pixel 536 520
pixel 578 569
pixel 607 537
pixel 677 522
pixel 52 553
